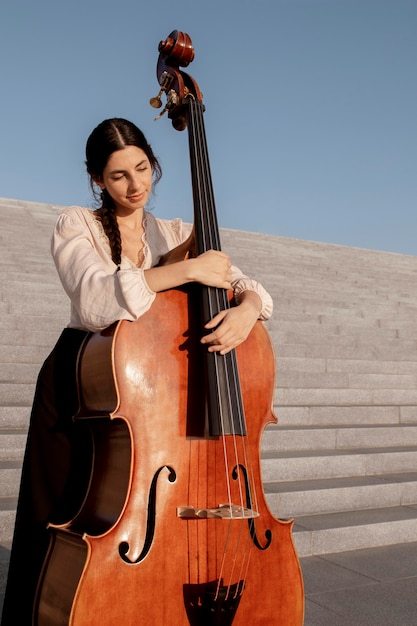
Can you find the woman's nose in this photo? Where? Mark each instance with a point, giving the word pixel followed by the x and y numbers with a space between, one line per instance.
pixel 135 183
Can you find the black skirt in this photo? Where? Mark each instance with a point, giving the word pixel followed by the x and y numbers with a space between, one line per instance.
pixel 54 475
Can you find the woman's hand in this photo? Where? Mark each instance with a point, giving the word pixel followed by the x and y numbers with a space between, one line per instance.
pixel 232 326
pixel 212 268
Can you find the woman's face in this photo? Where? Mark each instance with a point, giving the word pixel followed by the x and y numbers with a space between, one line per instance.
pixel 128 179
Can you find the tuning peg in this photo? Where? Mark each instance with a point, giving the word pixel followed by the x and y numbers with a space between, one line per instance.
pixel 156 102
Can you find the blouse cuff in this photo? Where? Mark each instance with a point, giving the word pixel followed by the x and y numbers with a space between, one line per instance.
pixel 247 284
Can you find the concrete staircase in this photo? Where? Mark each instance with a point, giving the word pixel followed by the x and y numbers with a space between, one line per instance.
pixel 343 459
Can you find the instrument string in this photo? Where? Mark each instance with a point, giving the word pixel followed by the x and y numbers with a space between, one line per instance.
pixel 228 391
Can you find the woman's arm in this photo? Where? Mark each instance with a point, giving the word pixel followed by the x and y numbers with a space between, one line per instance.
pixel 231 327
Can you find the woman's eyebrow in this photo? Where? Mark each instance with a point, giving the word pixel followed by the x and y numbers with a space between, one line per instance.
pixel 121 171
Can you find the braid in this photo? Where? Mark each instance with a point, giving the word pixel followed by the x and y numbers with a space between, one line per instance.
pixel 108 219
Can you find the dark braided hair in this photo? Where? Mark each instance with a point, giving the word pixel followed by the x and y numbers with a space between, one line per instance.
pixel 109 136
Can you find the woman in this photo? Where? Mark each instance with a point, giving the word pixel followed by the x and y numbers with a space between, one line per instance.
pixel 112 262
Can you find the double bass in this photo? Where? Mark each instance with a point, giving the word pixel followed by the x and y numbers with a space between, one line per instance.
pixel 174 529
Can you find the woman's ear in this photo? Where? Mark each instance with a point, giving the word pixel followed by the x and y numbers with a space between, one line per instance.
pixel 99 182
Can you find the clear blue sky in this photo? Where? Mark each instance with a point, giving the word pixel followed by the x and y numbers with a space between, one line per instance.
pixel 310 108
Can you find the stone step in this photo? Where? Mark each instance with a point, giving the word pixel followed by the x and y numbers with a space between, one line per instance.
pixel 353 530
pixel 316 396
pixel 346 325
pixel 7 519
pixel 322 464
pixel 355 366
pixel 340 295
pixel 300 298
pixel 17 394
pixel 12 445
pixel 278 439
pixel 320 415
pixel 346 338
pixel 14 417
pixel 346 380
pixel 364 350
pixel 18 372
pixel 10 472
pixel 53 321
pixel 345 415
pixel 48 277
pixel 25 284
pixel 309 497
pixel 33 354
pixel 394 314
pixel 308 332
pixel 26 337
pixel 42 307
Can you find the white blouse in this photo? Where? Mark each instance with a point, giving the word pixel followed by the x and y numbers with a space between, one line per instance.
pixel 99 294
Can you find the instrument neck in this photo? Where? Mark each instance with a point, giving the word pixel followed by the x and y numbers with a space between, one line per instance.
pixel 205 216
pixel 226 415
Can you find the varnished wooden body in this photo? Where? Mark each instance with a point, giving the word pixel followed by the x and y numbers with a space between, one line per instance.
pixel 156 368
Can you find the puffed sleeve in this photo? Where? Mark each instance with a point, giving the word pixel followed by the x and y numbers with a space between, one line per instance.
pixel 99 294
